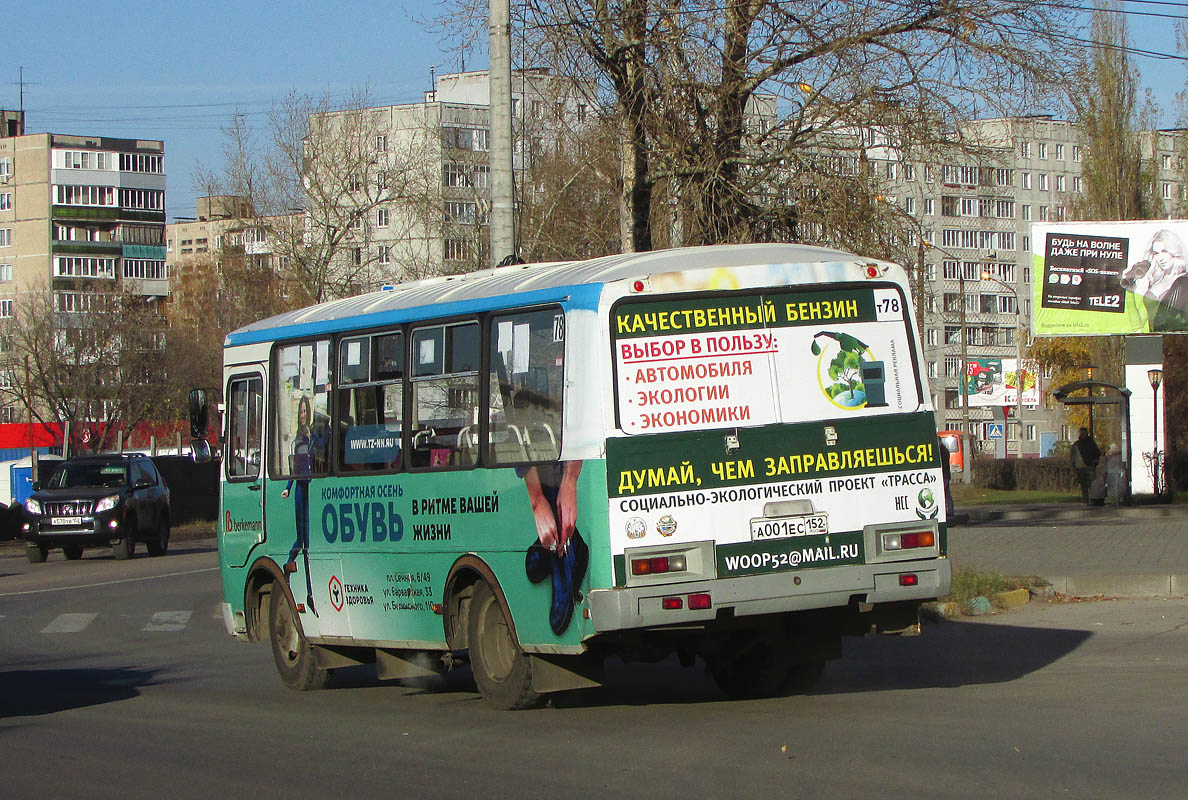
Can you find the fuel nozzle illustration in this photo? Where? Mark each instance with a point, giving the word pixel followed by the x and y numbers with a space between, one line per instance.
pixel 857 382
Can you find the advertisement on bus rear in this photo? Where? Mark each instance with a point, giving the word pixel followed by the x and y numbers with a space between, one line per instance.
pixel 776 424
pixel 729 360
pixel 778 498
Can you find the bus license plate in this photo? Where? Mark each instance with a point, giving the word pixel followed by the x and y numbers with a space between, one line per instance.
pixel 787 527
pixel 64 521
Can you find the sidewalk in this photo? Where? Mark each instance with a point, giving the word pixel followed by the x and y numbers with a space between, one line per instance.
pixel 1127 551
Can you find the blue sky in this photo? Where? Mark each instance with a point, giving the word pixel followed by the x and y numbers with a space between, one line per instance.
pixel 178 73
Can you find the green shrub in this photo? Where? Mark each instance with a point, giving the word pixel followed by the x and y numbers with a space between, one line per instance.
pixel 1043 474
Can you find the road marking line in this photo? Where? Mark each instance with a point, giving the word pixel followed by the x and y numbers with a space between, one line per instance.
pixel 169 621
pixel 69 623
pixel 110 583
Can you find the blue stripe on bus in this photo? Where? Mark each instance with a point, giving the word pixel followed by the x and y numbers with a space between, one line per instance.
pixel 581 296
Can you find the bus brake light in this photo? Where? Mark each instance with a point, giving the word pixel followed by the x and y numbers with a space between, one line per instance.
pixel 700 601
pixel 671 603
pixel 909 579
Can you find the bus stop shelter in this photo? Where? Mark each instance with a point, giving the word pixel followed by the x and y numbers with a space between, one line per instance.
pixel 1110 395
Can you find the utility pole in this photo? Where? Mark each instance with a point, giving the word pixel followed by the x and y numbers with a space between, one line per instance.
pixel 966 439
pixel 503 233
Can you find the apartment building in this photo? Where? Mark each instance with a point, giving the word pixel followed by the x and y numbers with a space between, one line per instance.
pixel 976 215
pixel 78 213
pixel 432 162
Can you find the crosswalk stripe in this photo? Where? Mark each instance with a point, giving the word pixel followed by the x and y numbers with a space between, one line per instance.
pixel 69 623
pixel 169 621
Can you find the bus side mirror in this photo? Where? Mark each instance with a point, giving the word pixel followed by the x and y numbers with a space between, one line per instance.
pixel 199 414
pixel 200 451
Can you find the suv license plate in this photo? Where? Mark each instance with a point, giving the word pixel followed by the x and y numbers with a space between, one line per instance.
pixel 66 521
pixel 764 528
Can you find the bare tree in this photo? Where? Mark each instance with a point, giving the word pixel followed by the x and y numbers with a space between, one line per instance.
pixel 344 197
pixel 91 360
pixel 688 81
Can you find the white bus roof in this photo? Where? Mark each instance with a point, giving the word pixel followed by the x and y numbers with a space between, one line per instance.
pixel 524 278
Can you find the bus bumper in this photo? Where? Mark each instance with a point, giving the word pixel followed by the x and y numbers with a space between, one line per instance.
pixel 873 584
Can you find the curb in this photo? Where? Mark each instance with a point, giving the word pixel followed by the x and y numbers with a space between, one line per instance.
pixel 1120 585
pixel 978 514
pixel 1015 598
pixel 977 607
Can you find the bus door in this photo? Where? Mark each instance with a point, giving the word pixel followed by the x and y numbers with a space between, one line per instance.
pixel 242 526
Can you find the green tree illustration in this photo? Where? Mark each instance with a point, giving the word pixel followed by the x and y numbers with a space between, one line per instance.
pixel 845 367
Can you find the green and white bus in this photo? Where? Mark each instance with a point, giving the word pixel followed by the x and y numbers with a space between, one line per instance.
pixel 722 452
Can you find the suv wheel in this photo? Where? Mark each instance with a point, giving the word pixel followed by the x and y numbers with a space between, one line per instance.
pixel 126 547
pixel 37 553
pixel 160 541
pixel 73 552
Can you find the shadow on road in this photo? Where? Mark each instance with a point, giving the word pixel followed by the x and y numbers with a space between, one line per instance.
pixel 33 692
pixel 947 655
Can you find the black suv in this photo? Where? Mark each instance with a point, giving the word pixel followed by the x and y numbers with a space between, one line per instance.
pixel 97 501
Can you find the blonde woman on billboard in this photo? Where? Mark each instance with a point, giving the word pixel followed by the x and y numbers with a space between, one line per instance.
pixel 1162 279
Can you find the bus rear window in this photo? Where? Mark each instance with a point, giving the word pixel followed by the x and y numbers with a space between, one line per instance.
pixel 747 359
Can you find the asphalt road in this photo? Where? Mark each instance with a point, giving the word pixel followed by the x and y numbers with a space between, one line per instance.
pixel 117 680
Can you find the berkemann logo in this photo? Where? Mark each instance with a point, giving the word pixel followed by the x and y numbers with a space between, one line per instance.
pixel 839 368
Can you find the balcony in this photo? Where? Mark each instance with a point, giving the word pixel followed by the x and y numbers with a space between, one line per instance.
pixel 77 248
pixel 153 252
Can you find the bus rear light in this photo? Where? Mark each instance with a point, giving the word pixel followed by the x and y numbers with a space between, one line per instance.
pixel 656 565
pixel 671 603
pixel 909 579
pixel 908 541
pixel 699 602
pixel 637 286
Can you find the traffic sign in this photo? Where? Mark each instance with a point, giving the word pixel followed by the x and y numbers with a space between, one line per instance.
pixel 994 430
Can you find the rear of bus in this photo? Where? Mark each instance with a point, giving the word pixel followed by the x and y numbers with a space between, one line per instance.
pixel 773 474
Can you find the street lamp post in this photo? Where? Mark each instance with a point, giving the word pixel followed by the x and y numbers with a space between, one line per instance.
pixel 1155 376
pixel 1019 374
pixel 963 375
pixel 964 379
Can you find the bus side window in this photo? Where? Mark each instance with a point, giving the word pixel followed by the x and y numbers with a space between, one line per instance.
pixel 527 367
pixel 245 410
pixel 370 402
pixel 445 395
pixel 301 411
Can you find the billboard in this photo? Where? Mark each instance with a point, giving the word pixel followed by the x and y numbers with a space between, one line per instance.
pixel 994 382
pixel 1101 278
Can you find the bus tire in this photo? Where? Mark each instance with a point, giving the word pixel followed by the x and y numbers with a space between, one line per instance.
pixel 770 668
pixel 294 655
pixel 502 671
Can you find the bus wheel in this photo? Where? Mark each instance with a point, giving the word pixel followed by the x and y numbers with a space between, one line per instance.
pixel 295 660
pixel 765 671
pixel 501 669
